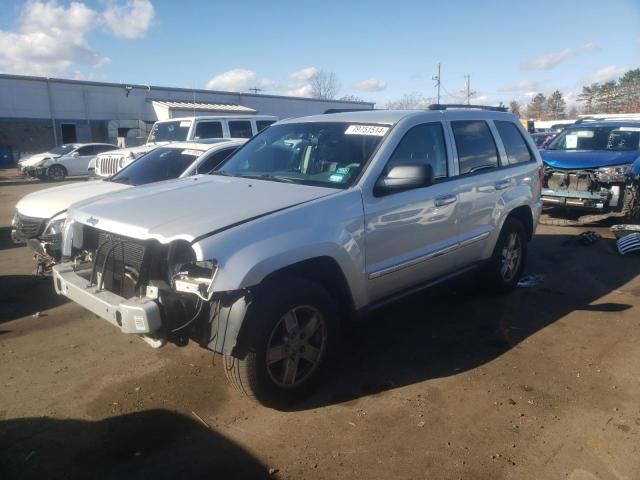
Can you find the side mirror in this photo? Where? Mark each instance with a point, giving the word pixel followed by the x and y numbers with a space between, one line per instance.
pixel 75 155
pixel 404 177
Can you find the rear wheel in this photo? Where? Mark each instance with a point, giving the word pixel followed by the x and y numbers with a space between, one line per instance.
pixel 57 172
pixel 508 260
pixel 296 330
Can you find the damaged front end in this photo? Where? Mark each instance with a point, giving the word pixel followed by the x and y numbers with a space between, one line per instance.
pixel 42 236
pixel 601 190
pixel 158 291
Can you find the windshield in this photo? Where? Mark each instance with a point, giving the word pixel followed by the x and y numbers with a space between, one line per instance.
pixel 62 149
pixel 170 131
pixel 163 163
pixel 323 154
pixel 598 138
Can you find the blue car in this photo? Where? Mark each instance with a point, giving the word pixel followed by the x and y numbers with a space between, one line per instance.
pixel 593 167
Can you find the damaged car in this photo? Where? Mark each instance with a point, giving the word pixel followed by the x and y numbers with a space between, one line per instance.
pixel 313 223
pixel 591 171
pixel 40 216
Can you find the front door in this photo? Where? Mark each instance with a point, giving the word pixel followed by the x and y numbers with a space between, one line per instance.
pixel 410 236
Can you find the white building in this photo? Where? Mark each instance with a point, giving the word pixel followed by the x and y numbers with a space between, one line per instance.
pixel 37 113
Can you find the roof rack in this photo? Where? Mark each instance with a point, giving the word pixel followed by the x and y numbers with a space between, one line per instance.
pixel 444 106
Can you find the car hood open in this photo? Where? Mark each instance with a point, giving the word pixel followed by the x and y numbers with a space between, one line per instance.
pixel 189 208
pixel 52 201
pixel 586 159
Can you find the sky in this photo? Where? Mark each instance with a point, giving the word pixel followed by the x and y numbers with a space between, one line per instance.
pixel 379 50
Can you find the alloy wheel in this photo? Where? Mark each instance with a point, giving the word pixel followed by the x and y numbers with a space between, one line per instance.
pixel 511 256
pixel 296 346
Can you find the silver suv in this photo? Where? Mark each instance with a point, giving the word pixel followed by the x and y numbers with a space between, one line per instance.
pixel 314 222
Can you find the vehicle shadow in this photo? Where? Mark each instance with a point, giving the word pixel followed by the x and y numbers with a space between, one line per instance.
pixel 23 295
pixel 150 444
pixel 458 326
pixel 5 239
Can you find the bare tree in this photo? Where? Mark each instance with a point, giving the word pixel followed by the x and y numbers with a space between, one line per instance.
pixel 514 107
pixel 351 98
pixel 410 101
pixel 325 85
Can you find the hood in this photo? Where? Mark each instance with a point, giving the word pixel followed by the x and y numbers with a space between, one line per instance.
pixel 586 159
pixel 147 147
pixel 187 208
pixel 51 201
pixel 33 159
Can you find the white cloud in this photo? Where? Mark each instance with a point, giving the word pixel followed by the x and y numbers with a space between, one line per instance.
pixel 553 59
pixel 371 85
pixel 50 39
pixel 607 74
pixel 238 80
pixel 130 19
pixel 300 91
pixel 304 74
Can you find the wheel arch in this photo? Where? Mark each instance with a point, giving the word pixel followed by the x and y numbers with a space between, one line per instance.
pixel 524 215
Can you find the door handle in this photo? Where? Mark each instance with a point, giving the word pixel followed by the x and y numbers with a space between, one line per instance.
pixel 446 200
pixel 503 185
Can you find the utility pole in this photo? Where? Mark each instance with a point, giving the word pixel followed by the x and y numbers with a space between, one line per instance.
pixel 467 84
pixel 437 80
pixel 255 89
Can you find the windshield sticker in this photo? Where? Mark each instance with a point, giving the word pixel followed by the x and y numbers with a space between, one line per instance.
pixel 366 130
pixel 195 153
pixel 584 133
pixel 629 129
pixel 185 124
pixel 342 170
pixel 336 177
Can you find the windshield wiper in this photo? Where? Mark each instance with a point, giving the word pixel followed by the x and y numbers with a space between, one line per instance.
pixel 222 173
pixel 268 176
pixel 120 180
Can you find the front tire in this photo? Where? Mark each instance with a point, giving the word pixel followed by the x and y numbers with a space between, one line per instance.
pixel 509 257
pixel 56 173
pixel 295 330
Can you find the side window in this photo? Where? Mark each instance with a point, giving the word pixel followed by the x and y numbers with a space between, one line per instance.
pixel 215 159
pixel 262 124
pixel 514 144
pixel 103 148
pixel 240 129
pixel 88 150
pixel 423 144
pixel 208 130
pixel 476 147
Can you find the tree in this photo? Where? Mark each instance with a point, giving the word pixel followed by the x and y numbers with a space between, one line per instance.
pixel 325 85
pixel 573 112
pixel 629 87
pixel 556 106
pixel 588 97
pixel 514 107
pixel 410 101
pixel 351 98
pixel 537 109
pixel 608 99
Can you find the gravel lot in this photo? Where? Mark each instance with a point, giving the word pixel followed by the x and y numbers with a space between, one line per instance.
pixel 453 383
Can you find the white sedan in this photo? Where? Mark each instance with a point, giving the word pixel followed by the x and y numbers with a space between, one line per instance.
pixel 71 159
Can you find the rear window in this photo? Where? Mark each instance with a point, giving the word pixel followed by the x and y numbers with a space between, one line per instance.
pixel 476 147
pixel 514 143
pixel 240 129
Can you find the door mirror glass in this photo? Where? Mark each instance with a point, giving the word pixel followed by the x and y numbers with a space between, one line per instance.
pixel 75 154
pixel 404 177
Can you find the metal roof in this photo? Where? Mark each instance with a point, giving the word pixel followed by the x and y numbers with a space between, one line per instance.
pixel 205 106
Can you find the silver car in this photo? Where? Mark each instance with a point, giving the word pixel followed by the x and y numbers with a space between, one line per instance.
pixel 314 222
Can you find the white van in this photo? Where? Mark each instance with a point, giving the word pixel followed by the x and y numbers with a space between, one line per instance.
pixel 181 130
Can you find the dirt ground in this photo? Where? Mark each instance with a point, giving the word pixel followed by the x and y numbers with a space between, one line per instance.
pixel 453 383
